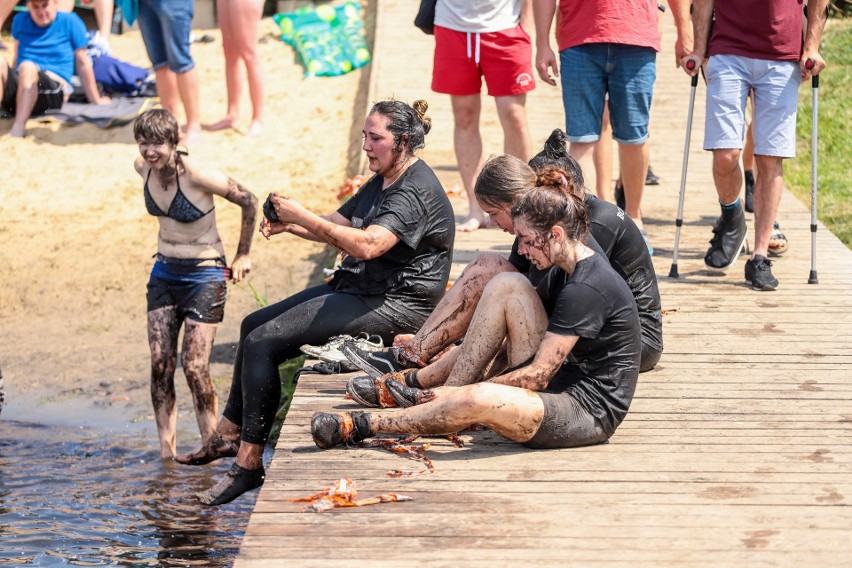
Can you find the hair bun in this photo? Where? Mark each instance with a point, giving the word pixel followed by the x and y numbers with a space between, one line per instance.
pixel 420 107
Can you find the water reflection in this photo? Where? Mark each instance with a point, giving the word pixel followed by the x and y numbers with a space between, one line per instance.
pixel 93 498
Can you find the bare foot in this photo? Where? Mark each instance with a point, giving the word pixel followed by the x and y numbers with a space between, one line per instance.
pixel 470 224
pixel 216 448
pixel 255 130
pixel 191 135
pixel 16 132
pixel 223 124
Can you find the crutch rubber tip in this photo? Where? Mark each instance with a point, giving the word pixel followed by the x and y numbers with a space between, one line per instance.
pixel 812 278
pixel 673 272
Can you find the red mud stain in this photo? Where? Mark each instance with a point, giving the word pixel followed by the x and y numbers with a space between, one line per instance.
pixel 727 492
pixel 810 386
pixel 758 539
pixel 771 328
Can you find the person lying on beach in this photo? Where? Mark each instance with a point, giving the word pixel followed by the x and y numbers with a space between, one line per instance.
pixel 572 345
pixel 187 284
pixel 397 233
pixel 501 181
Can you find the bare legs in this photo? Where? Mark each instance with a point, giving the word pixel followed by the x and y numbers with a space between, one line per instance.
pixel 239 21
pixel 26 96
pixel 467 140
pixel 602 159
pixel 450 319
pixel 632 159
pixel 163 328
pixel 509 313
pixel 769 184
pixel 176 88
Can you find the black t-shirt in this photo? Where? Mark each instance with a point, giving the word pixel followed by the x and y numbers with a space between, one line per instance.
pixel 620 240
pixel 603 367
pixel 415 271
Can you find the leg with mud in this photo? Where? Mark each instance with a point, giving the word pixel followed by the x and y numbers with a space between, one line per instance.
pixel 450 319
pixel 246 474
pixel 507 300
pixel 197 346
pixel 163 328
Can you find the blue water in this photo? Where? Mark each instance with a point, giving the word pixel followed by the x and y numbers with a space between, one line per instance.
pixel 95 496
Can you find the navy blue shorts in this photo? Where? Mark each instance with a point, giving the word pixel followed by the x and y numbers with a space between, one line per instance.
pixel 203 302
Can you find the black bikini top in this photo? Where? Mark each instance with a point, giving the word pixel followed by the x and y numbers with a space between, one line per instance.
pixel 181 210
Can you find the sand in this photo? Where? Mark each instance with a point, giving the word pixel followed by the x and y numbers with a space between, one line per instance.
pixel 77 242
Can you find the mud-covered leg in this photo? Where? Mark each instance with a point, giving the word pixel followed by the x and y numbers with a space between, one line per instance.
pixel 163 328
pixel 451 317
pixel 509 310
pixel 195 357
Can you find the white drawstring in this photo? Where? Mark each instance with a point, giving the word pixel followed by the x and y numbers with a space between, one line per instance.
pixel 476 49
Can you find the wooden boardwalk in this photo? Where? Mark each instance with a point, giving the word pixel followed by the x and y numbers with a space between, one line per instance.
pixel 737 450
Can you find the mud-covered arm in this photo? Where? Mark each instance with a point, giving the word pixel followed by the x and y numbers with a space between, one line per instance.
pixel 536 376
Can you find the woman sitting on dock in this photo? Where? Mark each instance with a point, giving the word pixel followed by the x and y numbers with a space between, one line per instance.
pixel 573 345
pixel 397 233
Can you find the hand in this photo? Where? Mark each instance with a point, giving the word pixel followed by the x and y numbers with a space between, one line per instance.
pixel 103 100
pixel 817 64
pixel 691 63
pixel 287 208
pixel 268 228
pixel 240 267
pixel 545 62
pixel 682 48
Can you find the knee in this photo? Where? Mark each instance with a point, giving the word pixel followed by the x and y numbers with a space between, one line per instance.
pixel 506 284
pixel 466 118
pixel 27 75
pixel 725 161
pixel 487 265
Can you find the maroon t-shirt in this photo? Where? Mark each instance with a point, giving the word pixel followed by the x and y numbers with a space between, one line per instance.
pixel 759 29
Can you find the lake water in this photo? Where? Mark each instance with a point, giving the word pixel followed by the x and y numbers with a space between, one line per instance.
pixel 96 496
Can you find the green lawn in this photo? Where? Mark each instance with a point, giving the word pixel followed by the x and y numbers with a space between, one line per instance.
pixel 834 187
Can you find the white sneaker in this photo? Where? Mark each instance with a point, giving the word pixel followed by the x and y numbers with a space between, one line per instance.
pixel 330 351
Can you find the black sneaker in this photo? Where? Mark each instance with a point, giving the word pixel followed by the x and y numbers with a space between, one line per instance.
pixel 329 430
pixel 758 273
pixel 376 364
pixel 404 396
pixel 651 178
pixel 729 237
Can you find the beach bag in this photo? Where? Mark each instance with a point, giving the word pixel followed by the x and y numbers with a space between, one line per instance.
pixel 329 39
pixel 425 18
pixel 120 77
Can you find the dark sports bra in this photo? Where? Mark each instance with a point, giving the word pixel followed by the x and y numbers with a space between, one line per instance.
pixel 181 210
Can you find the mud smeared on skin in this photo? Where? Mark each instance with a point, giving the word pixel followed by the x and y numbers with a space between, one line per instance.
pixel 197 346
pixel 248 203
pixel 461 301
pixel 163 327
pixel 217 447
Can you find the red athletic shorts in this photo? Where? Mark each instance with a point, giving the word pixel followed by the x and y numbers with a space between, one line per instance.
pixel 504 58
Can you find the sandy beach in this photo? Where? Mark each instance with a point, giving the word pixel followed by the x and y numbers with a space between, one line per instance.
pixel 77 243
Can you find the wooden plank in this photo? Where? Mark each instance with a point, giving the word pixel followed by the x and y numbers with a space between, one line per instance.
pixel 736 450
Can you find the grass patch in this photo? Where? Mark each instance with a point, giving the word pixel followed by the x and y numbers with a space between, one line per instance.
pixel 834 190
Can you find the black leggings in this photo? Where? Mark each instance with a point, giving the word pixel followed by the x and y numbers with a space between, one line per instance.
pixel 273 334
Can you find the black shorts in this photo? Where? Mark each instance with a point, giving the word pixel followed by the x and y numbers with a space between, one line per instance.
pixel 50 95
pixel 565 424
pixel 202 302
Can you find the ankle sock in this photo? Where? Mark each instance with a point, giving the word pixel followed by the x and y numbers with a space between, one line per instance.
pixel 729 210
pixel 411 379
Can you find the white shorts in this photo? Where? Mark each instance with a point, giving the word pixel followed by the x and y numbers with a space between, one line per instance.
pixel 776 96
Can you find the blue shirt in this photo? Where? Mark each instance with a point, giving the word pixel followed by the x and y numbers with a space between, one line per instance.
pixel 51 48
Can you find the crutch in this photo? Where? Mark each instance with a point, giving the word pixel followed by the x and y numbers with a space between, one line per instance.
pixel 679 221
pixel 812 277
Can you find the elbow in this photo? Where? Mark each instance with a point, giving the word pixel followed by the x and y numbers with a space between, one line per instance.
pixel 365 251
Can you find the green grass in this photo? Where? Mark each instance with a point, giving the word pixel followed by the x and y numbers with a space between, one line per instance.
pixel 834 188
